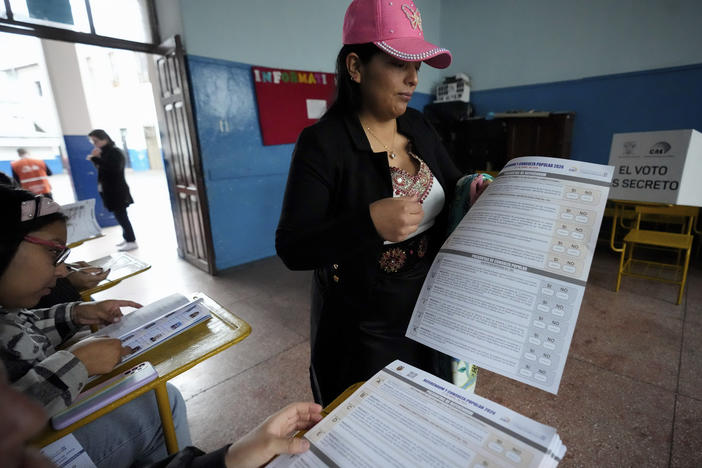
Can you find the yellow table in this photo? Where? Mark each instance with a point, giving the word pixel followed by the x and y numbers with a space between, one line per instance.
pixel 133 267
pixel 170 359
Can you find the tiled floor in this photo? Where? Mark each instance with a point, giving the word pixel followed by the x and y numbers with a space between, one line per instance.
pixel 631 393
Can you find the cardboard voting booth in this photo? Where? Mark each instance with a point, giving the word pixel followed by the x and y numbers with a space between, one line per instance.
pixel 657 167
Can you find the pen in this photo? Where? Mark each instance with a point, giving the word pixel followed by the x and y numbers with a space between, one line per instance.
pixel 72 268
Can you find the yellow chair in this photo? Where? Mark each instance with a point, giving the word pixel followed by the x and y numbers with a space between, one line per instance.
pixel 680 242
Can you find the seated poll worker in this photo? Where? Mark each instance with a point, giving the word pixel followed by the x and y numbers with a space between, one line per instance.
pixel 365 205
pixel 22 418
pixel 32 255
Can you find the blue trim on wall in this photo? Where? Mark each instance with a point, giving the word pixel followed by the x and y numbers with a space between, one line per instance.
pixel 244 180
pixel 138 159
pixel 84 176
pixel 662 99
pixel 55 165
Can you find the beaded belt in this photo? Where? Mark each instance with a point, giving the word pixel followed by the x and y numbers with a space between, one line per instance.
pixel 403 255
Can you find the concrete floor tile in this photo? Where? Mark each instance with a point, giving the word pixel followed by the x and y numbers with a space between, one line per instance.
pixel 691 362
pixel 231 409
pixel 603 273
pixel 687 438
pixel 627 340
pixel 268 338
pixel 604 419
pixel 693 304
pixel 291 310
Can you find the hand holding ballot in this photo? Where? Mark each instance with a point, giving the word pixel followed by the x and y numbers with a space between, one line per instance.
pixel 99 355
pixel 274 436
pixel 84 276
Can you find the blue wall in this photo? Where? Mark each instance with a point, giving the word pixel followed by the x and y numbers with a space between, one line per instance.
pixel 245 180
pixel 279 34
pixel 664 99
pixel 504 43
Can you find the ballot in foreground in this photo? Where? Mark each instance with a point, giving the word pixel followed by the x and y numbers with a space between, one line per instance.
pixel 403 416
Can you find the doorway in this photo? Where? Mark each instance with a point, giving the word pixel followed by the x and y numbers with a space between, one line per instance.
pixel 100 61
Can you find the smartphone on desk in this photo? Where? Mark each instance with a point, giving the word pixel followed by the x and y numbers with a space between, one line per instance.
pixel 102 395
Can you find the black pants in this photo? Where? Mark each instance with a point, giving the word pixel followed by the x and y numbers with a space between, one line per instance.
pixel 123 220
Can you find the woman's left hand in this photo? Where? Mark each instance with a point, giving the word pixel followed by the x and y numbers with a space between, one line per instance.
pixel 84 276
pixel 477 187
pixel 274 436
pixel 102 312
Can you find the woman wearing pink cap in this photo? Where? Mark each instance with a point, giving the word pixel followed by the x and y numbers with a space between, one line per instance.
pixel 365 203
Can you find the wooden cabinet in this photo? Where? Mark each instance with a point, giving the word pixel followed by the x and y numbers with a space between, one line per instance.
pixel 487 144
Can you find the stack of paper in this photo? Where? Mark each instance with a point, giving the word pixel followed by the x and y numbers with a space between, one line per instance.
pixel 404 416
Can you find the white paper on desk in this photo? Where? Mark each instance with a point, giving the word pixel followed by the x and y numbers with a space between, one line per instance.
pixel 146 314
pixel 81 223
pixel 120 264
pixel 505 290
pixel 68 453
pixel 164 326
pixel 404 416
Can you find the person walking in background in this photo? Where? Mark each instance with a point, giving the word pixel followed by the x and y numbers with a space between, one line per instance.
pixel 31 174
pixel 109 161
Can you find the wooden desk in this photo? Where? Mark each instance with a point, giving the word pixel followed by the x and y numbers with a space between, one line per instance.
pixel 121 262
pixel 171 358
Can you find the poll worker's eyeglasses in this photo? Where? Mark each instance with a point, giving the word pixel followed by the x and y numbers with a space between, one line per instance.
pixel 60 251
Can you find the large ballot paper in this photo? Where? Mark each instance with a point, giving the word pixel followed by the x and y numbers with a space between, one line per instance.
pixel 505 290
pixel 404 416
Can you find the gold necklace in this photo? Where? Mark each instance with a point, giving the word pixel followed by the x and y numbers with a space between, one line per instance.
pixel 391 150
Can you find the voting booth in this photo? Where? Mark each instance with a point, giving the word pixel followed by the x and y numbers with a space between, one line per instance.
pixel 657 175
pixel 657 167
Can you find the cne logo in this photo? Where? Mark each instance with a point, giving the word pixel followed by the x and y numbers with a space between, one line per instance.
pixel 413 16
pixel 661 147
pixel 629 147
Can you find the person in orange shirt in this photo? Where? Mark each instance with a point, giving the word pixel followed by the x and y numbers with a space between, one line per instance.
pixel 31 174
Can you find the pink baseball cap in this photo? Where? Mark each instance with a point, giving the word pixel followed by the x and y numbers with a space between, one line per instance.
pixel 394 26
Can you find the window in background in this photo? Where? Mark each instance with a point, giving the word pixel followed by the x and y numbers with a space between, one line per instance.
pixel 120 19
pixel 123 19
pixel 65 14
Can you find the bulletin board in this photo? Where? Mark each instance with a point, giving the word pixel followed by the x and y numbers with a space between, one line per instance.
pixel 290 100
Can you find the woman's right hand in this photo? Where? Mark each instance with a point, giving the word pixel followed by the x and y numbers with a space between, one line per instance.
pixel 396 218
pixel 95 152
pixel 99 355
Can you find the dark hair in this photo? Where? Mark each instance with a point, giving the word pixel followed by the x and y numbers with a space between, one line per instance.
pixel 13 228
pixel 21 151
pixel 348 92
pixel 101 134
